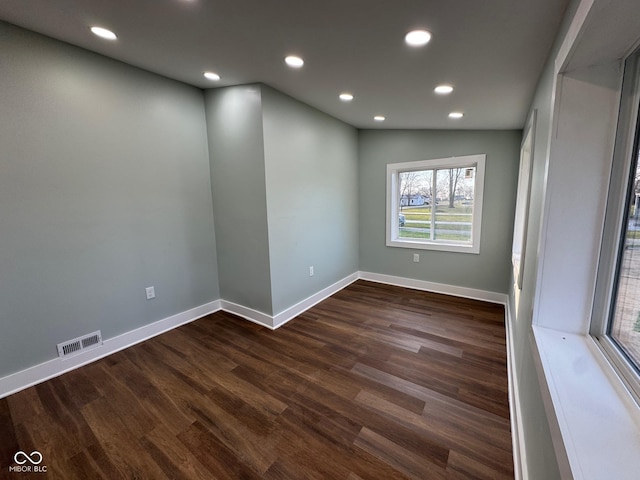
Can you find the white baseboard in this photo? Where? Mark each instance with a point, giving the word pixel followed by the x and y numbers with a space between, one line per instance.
pixel 464 292
pixel 52 368
pixel 248 314
pixel 276 321
pixel 517 430
pixel 292 312
pixel 57 366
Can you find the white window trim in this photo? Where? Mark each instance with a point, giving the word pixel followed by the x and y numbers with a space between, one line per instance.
pixel 392 228
pixel 519 245
pixel 615 216
pixel 592 415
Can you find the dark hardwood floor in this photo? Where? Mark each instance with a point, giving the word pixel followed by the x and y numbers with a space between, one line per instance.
pixel 376 382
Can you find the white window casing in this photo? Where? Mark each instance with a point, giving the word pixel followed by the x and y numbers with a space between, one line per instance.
pixel 394 170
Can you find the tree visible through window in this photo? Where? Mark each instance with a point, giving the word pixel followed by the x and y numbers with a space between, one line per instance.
pixel 436 203
pixel 625 320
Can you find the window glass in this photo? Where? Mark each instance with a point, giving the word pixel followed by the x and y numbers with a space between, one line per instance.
pixel 616 311
pixel 436 204
pixel 624 326
pixel 416 204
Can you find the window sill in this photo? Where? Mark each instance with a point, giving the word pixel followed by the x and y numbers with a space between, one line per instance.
pixel 441 246
pixel 598 426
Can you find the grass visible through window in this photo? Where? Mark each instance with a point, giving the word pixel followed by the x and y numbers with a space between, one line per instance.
pixel 451 223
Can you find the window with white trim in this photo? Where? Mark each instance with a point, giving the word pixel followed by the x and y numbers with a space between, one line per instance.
pixel 616 313
pixel 436 204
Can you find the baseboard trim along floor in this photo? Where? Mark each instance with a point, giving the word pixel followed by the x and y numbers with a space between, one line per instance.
pixel 57 366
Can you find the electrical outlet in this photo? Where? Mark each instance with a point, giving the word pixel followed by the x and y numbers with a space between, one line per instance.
pixel 416 257
pixel 311 271
pixel 151 292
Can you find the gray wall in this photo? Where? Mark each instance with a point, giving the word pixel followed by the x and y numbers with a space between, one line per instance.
pixel 236 150
pixel 104 190
pixel 312 201
pixel 284 179
pixel 490 270
pixel 106 183
pixel 541 459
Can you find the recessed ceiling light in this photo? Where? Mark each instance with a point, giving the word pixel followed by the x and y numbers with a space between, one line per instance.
pixel 212 76
pixel 379 118
pixel 346 97
pixel 443 89
pixel 417 38
pixel 103 33
pixel 293 61
pixel 456 115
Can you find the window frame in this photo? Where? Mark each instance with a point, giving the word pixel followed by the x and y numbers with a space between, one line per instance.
pixel 627 142
pixel 392 228
pixel 523 193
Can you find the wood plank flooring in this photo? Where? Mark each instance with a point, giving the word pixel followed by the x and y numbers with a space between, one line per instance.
pixel 376 382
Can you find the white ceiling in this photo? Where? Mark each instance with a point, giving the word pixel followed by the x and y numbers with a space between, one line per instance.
pixel 491 51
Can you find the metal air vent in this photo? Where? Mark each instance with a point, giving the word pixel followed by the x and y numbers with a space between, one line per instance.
pixel 77 345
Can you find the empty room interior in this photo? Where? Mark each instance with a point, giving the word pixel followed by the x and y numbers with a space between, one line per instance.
pixel 320 240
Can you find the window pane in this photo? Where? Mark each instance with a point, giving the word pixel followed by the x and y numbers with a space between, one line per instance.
pixel 415 204
pixel 431 204
pixel 625 322
pixel 454 204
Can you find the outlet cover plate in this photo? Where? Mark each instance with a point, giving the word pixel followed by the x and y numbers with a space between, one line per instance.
pixel 151 292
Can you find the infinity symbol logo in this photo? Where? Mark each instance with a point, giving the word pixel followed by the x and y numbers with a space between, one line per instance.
pixel 35 458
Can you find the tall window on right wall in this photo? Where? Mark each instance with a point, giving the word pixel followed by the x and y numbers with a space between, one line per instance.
pixel 616 313
pixel 624 325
